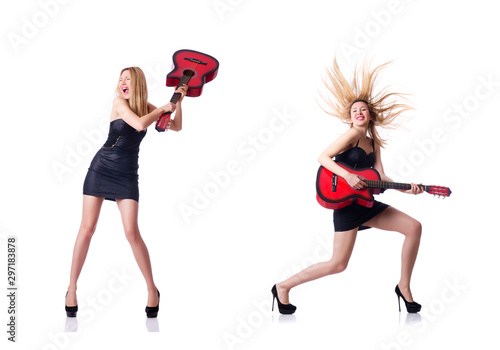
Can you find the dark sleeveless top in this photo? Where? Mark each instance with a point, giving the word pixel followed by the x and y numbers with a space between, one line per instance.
pixel 356 157
pixel 113 171
pixel 356 215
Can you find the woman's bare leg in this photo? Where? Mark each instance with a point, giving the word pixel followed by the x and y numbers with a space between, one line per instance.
pixel 90 215
pixel 129 210
pixel 343 244
pixel 392 219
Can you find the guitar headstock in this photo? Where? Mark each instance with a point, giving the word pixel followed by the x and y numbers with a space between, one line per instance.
pixel 438 190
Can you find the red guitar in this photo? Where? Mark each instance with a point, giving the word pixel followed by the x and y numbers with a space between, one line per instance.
pixel 333 192
pixel 192 68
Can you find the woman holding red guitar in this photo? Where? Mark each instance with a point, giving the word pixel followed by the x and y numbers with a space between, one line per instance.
pixel 360 147
pixel 113 175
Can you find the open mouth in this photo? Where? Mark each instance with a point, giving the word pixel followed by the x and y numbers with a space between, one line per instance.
pixel 360 117
pixel 125 90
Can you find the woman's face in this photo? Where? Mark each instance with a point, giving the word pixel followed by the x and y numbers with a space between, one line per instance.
pixel 360 114
pixel 124 84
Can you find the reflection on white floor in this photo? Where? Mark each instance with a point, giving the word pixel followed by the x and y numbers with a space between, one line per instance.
pixel 406 319
pixel 71 324
pixel 284 318
pixel 411 319
pixel 152 324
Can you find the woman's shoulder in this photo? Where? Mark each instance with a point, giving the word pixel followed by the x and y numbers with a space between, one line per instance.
pixel 352 134
pixel 118 105
pixel 119 101
pixel 348 139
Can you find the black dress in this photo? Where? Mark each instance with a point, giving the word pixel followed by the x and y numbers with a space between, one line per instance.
pixel 356 215
pixel 113 171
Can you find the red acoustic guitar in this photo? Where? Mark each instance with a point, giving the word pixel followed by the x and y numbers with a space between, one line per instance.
pixel 333 192
pixel 192 68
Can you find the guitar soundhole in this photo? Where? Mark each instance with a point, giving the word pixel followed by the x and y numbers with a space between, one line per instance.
pixel 188 72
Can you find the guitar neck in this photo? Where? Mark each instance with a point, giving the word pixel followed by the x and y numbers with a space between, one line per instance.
pixel 390 185
pixel 184 80
pixel 164 121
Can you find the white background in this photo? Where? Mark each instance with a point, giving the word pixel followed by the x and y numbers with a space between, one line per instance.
pixel 215 268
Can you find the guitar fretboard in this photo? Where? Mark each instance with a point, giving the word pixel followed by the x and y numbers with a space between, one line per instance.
pixel 389 185
pixel 183 80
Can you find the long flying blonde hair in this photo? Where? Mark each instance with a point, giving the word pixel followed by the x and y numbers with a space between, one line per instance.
pixel 384 106
pixel 138 101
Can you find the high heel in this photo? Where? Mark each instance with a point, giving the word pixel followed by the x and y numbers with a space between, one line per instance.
pixel 70 310
pixel 285 309
pixel 152 312
pixel 411 307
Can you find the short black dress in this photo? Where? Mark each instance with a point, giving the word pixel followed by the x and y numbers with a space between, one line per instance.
pixel 356 215
pixel 113 171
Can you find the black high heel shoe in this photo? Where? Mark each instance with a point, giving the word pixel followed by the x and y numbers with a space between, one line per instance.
pixel 412 307
pixel 152 312
pixel 70 310
pixel 285 309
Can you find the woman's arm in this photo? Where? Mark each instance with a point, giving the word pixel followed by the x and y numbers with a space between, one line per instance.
pixel 343 143
pixel 415 189
pixel 122 110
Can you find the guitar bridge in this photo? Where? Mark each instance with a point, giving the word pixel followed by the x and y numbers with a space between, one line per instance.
pixel 195 60
pixel 334 183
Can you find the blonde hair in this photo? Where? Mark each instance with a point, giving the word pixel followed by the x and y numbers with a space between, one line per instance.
pixel 138 101
pixel 384 106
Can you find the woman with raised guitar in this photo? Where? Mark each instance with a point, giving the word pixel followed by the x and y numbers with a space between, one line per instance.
pixel 359 147
pixel 113 175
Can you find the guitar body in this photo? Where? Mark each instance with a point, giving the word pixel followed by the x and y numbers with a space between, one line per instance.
pixel 191 68
pixel 203 66
pixel 333 192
